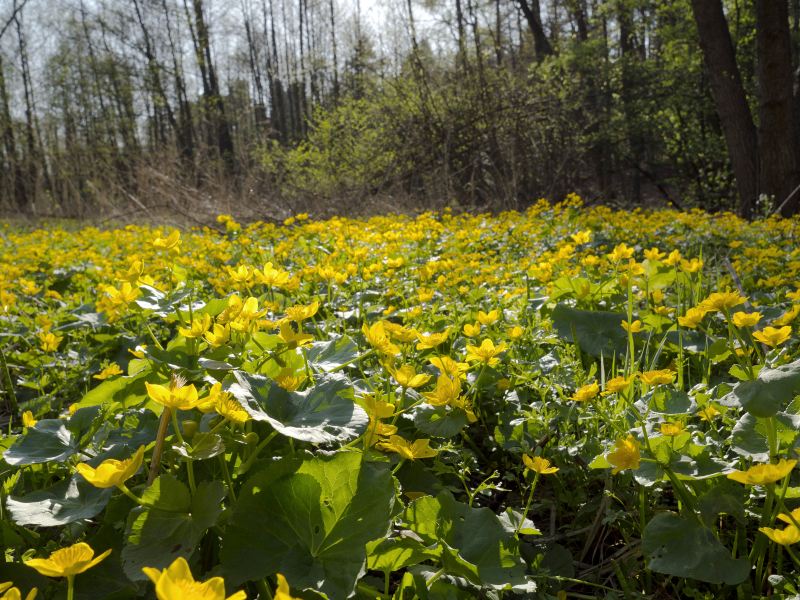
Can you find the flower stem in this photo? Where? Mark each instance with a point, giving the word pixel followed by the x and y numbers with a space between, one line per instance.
pixel 159 447
pixel 528 503
pixel 70 587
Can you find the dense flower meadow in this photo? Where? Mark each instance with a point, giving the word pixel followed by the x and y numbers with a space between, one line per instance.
pixel 569 402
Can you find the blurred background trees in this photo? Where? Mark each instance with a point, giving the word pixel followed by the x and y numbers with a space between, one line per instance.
pixel 275 106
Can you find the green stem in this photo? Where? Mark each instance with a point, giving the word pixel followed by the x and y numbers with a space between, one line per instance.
pixel 263 589
pixel 159 447
pixel 70 587
pixel 124 489
pixel 528 503
pixel 11 398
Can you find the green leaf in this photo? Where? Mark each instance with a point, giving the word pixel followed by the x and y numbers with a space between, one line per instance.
pixel 596 332
pixel 332 354
pixel 666 400
pixel 769 393
pixel 394 554
pixel 439 421
pixel 312 524
pixel 749 436
pixel 323 414
pixel 476 534
pixel 47 441
pixel 157 535
pixel 204 445
pixel 67 501
pixel 677 546
pixel 725 497
pixel 127 391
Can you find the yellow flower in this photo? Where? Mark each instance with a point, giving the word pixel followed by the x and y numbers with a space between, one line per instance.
pixel 111 472
pixel 301 313
pixel 620 252
pixel 12 593
pixel 538 464
pixel 773 337
pixel 49 341
pixel 448 366
pixel 654 254
pixel 671 429
pixel 407 377
pixel 283 592
pixel 174 396
pixel 375 407
pixel 515 332
pixel 230 408
pixel 634 327
pixel 787 317
pixel 708 413
pixel 271 276
pixel 208 403
pixel 722 301
pixel 171 242
pixel 764 474
pixel 692 318
pixel 691 266
pixel 582 237
pixel 488 318
pixel 586 392
pixel 110 371
pixel 486 353
pixel 663 376
pixel 472 329
pixel 377 430
pixel 197 328
pixel 292 338
pixel 218 336
pixel 176 582
pixel 743 319
pixel 378 339
pixel 447 390
pixel 616 384
pixel 625 455
pixel 28 420
pixel 431 340
pixel 674 258
pixel 406 449
pixel 67 562
pixel 785 537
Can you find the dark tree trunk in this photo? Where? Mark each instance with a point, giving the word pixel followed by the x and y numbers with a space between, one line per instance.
pixel 776 143
pixel 532 12
pixel 729 99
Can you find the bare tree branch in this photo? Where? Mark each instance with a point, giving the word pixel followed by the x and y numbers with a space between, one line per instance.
pixel 16 8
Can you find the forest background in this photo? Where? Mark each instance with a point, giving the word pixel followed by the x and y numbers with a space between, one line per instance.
pixel 268 108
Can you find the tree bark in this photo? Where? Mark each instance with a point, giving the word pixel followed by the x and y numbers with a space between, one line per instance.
pixel 776 143
pixel 729 99
pixel 533 17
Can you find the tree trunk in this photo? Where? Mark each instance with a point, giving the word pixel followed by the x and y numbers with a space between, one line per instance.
pixel 776 143
pixel 533 16
pixel 729 99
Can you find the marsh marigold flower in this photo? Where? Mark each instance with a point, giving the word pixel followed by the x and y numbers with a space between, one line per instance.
pixel 538 464
pixel 9 592
pixel 176 582
pixel 773 337
pixel 112 472
pixel 486 353
pixel 634 327
pixel 111 370
pixel 625 455
pixel 616 384
pixel 67 562
pixel 743 319
pixel 586 392
pixel 764 474
pixel 175 396
pixel 410 450
pixel 659 377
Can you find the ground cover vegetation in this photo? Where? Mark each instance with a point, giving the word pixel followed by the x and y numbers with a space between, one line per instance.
pixel 560 403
